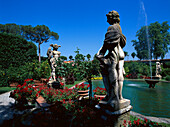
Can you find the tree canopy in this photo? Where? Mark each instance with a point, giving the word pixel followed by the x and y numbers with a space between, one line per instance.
pixel 16 51
pixel 158 39
pixel 133 55
pixel 38 34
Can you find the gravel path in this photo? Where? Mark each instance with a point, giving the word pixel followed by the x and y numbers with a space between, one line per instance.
pixel 6 104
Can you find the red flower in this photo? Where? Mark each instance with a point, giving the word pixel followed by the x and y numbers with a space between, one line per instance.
pixel 88 86
pixel 61 83
pixel 124 121
pixel 145 120
pixel 134 122
pixel 19 86
pixel 129 123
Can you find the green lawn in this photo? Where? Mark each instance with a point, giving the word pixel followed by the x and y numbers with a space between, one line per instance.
pixel 5 89
pixel 70 85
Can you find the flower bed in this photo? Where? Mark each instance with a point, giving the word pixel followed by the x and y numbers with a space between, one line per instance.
pixel 99 91
pixel 25 93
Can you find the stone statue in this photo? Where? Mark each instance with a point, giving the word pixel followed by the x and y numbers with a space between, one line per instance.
pixel 52 58
pixel 112 69
pixel 158 69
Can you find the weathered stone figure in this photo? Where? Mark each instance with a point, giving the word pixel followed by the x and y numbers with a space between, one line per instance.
pixel 52 57
pixel 112 64
pixel 158 69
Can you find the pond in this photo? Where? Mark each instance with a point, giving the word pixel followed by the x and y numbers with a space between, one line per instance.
pixel 146 101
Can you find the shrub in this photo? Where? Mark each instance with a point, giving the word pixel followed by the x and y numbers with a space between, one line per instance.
pixel 99 91
pixel 16 51
pixel 167 78
pixel 25 93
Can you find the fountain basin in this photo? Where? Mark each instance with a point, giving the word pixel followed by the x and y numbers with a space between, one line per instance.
pixel 151 82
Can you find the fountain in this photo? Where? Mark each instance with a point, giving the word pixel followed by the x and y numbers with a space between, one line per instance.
pixel 153 79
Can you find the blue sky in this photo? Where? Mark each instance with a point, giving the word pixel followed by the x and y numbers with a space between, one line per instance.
pixel 83 23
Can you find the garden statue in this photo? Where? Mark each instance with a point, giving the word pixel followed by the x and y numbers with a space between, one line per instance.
pixel 158 69
pixel 52 58
pixel 112 69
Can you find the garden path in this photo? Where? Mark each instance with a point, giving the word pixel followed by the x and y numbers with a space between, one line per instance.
pixel 6 107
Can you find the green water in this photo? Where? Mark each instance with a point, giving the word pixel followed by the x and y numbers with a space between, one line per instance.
pixel 147 101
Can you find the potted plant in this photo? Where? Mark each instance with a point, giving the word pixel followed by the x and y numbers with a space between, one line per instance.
pixel 25 93
pixel 99 92
pixel 83 89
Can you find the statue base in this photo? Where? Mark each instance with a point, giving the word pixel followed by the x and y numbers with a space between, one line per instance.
pixel 114 114
pixel 54 84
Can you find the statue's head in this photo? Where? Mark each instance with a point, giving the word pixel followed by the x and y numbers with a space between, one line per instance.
pixel 55 46
pixel 113 17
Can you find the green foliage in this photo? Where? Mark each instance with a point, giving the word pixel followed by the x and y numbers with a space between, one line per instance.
pixel 30 70
pixel 63 58
pixel 16 51
pixel 133 55
pixel 166 71
pixel 38 34
pixel 71 57
pixel 158 37
pixel 167 78
pixel 137 68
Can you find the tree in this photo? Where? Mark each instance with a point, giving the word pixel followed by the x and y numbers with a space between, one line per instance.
pixel 158 38
pixel 126 54
pixel 71 57
pixel 88 57
pixel 133 55
pixel 16 51
pixel 63 58
pixel 38 34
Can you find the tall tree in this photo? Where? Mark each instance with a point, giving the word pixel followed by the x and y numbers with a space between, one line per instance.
pixel 133 55
pixel 158 39
pixel 141 46
pixel 38 34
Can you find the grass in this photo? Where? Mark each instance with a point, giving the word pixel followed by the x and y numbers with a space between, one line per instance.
pixel 5 89
pixel 71 85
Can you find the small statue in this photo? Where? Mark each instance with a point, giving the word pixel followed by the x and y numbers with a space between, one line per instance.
pixel 158 69
pixel 112 64
pixel 52 58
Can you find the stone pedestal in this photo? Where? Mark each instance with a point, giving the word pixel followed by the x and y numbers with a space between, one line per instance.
pixel 114 116
pixel 54 84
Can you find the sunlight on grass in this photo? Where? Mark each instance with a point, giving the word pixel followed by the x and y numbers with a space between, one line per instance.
pixel 5 89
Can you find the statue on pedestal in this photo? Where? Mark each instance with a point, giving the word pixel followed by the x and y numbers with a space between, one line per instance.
pixel 112 69
pixel 52 58
pixel 158 70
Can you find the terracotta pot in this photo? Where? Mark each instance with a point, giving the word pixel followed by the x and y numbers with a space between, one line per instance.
pixel 13 84
pixel 99 96
pixel 83 92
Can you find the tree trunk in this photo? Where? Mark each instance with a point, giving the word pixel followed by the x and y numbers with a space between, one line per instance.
pixel 39 52
pixel 90 92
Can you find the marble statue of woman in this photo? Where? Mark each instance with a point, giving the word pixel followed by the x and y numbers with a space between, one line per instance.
pixel 52 57
pixel 112 64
